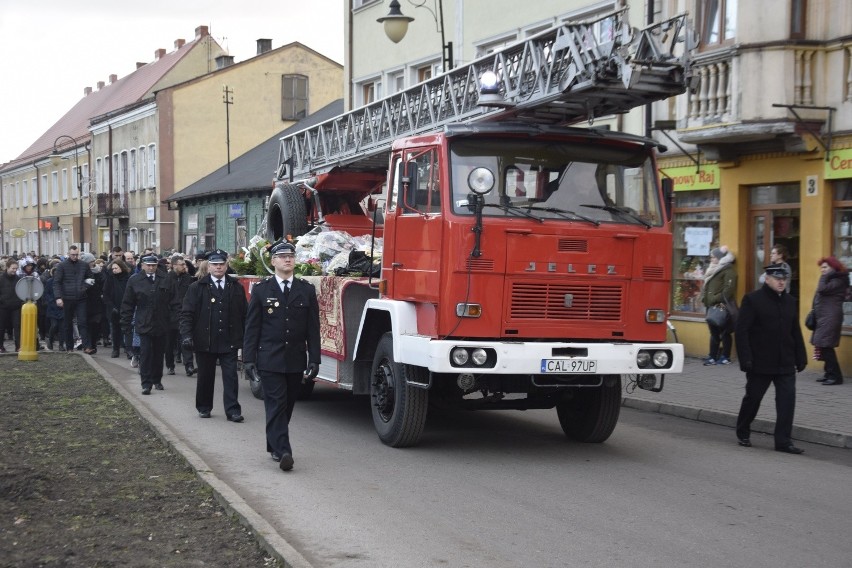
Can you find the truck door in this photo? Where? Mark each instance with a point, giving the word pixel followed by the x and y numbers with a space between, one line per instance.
pixel 413 228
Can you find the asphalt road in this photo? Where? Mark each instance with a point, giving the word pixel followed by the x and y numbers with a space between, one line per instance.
pixel 507 489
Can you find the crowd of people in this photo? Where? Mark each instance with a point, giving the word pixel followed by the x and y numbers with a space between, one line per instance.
pixel 164 310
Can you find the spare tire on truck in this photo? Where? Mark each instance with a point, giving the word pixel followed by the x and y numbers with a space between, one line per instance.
pixel 287 214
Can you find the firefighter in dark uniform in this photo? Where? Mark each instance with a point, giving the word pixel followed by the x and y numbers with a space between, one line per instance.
pixel 212 321
pixel 282 339
pixel 154 300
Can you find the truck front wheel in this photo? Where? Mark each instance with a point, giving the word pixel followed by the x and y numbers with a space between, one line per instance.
pixel 591 415
pixel 399 410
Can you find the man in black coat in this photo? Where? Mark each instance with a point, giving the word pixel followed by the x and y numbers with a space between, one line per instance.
pixel 153 299
pixel 212 321
pixel 771 349
pixel 174 350
pixel 282 324
pixel 70 282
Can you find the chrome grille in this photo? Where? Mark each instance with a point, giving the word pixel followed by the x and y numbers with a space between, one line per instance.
pixel 547 301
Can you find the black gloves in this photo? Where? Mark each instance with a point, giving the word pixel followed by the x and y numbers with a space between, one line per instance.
pixel 311 372
pixel 187 344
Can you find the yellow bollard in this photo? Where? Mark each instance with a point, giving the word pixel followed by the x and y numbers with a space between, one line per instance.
pixel 29 313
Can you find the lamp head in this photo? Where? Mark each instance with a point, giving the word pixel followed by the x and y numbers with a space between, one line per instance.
pixel 395 23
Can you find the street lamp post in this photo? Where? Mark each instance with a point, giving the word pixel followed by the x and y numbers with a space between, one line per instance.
pixel 79 180
pixel 396 26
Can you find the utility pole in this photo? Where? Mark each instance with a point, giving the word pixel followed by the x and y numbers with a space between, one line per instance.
pixel 228 99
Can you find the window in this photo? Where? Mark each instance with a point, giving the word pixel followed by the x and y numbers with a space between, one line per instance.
pixel 74 181
pixel 396 82
pixel 842 236
pixel 131 175
pixel 371 91
pixel 294 97
pixel 124 183
pixel 798 10
pixel 114 173
pixel 44 189
pixel 54 186
pixel 99 171
pixel 63 181
pixel 85 181
pixel 18 198
pixel 718 21
pixel 34 197
pixel 25 192
pixel 143 168
pixel 425 73
pixel 696 232
pixel 423 193
pixel 210 232
pixel 152 166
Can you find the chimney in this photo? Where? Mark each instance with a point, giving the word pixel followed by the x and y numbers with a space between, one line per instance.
pixel 264 45
pixel 224 61
pixel 100 85
pixel 113 78
pixel 87 91
pixel 140 64
pixel 179 43
pixel 200 32
pixel 159 53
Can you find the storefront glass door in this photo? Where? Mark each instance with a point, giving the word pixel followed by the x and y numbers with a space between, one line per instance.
pixel 775 220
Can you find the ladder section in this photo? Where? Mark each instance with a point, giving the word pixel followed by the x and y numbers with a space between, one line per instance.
pixel 569 73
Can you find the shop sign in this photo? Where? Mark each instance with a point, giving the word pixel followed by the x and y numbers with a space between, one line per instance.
pixel 839 164
pixel 235 210
pixel 688 179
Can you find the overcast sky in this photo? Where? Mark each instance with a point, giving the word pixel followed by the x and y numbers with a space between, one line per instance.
pixel 52 49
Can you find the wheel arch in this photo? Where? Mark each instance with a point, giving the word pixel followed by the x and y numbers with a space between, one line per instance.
pixel 379 317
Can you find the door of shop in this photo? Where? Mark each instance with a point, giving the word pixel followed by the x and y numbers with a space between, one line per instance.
pixel 774 220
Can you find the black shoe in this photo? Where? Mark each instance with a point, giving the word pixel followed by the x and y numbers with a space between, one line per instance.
pixel 50 345
pixel 744 442
pixel 204 414
pixel 791 449
pixel 822 379
pixel 159 386
pixel 286 463
pixel 171 371
pixel 190 371
pixel 235 418
pixel 275 457
pixel 832 382
pixel 113 355
pixel 146 390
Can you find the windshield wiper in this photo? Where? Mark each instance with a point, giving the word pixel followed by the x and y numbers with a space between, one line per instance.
pixel 571 215
pixel 516 210
pixel 621 211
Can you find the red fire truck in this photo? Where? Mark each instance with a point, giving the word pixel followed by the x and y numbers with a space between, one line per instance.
pixel 526 264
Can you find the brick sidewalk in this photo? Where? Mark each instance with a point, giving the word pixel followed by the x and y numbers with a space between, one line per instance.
pixel 713 394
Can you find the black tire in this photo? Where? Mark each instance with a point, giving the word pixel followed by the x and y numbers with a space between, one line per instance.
pixel 591 415
pixel 306 390
pixel 287 214
pixel 399 410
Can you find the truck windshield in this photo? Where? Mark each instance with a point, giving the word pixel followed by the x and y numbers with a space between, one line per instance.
pixel 583 182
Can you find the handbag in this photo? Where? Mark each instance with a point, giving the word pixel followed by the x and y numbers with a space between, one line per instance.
pixel 733 311
pixel 810 320
pixel 718 316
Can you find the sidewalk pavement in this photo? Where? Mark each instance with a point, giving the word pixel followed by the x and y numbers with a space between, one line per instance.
pixel 713 394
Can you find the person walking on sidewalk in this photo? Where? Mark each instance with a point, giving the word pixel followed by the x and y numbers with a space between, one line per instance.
pixel 720 282
pixel 153 299
pixel 212 323
pixel 10 303
pixel 175 352
pixel 114 287
pixel 771 349
pixel 828 309
pixel 281 325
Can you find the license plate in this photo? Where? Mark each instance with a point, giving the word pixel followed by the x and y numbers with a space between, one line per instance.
pixel 585 366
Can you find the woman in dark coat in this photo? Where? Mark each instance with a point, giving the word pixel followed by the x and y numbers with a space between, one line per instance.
pixel 54 314
pixel 114 287
pixel 10 304
pixel 828 309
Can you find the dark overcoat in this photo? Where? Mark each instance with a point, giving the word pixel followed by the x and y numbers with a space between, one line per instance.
pixel 769 338
pixel 156 305
pixel 278 334
pixel 196 314
pixel 828 308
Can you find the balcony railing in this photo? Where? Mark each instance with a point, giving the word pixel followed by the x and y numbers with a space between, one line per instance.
pixel 113 205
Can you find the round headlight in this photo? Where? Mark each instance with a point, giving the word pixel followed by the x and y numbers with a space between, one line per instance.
pixel 480 180
pixel 460 356
pixel 661 358
pixel 643 359
pixel 479 356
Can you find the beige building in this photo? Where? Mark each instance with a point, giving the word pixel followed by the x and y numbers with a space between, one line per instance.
pixel 48 192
